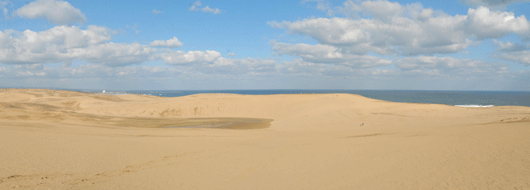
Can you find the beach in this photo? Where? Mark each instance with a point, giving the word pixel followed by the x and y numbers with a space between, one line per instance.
pixel 53 139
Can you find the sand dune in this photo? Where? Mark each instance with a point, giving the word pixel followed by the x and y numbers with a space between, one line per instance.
pixel 72 140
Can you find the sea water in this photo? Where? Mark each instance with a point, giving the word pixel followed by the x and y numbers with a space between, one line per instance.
pixel 456 98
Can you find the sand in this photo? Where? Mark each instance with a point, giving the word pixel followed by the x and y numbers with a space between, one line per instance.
pixel 53 139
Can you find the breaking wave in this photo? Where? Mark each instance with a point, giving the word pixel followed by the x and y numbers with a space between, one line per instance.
pixel 475 106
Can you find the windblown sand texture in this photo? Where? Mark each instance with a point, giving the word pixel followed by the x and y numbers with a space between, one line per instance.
pixel 71 140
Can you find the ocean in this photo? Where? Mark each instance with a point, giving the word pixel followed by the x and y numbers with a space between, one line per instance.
pixel 456 98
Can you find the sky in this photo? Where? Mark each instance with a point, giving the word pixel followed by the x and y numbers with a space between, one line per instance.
pixel 307 44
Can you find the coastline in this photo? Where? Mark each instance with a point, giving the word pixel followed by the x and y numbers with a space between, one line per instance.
pixel 468 98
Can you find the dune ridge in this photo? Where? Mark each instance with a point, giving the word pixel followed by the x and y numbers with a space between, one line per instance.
pixel 74 140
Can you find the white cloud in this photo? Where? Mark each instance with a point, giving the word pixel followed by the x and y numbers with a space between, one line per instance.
pixel 232 54
pixel 301 68
pixel 328 54
pixel 434 73
pixel 363 36
pixel 48 46
pixel 190 57
pixel 407 30
pixel 512 52
pixel 483 23
pixel 349 8
pixel 212 62
pixel 115 54
pixel 67 43
pixel 33 67
pixel 57 12
pixel 239 66
pixel 173 42
pixel 207 9
pixel 134 28
pixel 383 10
pixel 409 68
pixel 492 3
pixel 94 76
pixel 156 11
pixel 450 66
pixel 197 7
pixel 522 57
pixel 3 7
pixel 508 46
pixel 322 5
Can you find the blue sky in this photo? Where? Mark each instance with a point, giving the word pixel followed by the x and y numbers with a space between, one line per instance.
pixel 352 44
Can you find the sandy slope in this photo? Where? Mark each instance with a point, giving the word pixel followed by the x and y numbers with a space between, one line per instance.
pixel 70 140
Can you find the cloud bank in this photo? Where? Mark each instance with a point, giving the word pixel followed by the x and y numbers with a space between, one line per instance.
pixel 371 41
pixel 410 30
pixel 66 43
pixel 57 12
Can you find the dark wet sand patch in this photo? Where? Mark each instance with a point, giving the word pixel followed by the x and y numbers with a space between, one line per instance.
pixel 367 135
pixel 26 111
pixel 220 123
pixel 233 123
